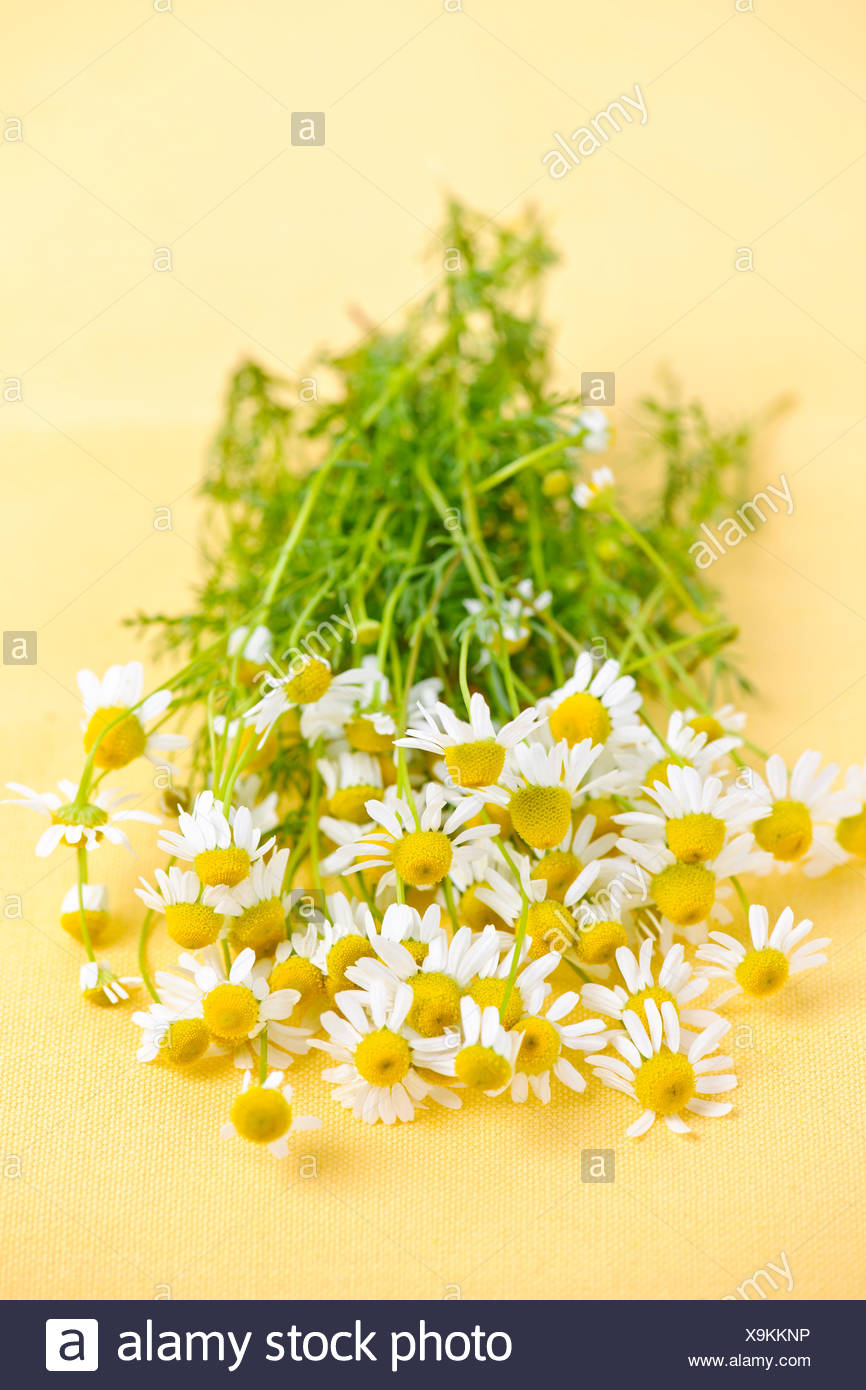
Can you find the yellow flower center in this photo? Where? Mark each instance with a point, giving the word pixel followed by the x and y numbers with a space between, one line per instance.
pixel 706 724
pixel 558 868
pixel 684 893
pixel 541 815
pixel 96 921
pixel 224 866
pixel 578 717
pixel 762 972
pixel 539 1047
pixel 230 1012
pixel 186 1041
pixel 786 832
pixel 659 771
pixel 436 1004
pixel 665 1082
pixel 657 993
pixel 97 995
pixel 350 803
pixel 262 926
pixel 383 1058
pixel 599 943
pixel 310 683
pixel 556 483
pixel 604 808
pixel 298 972
pixel 481 1068
pixel 192 925
pixel 495 815
pixel 550 927
pixel 122 744
pixel 418 950
pixel 851 834
pixel 475 764
pixel 363 735
pixel 261 1115
pixel 345 952
pixel 492 991
pixel 695 837
pixel 474 913
pixel 423 857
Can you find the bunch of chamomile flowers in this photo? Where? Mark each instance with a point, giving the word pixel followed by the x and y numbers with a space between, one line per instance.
pixel 465 905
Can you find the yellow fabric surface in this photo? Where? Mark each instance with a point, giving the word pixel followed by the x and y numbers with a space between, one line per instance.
pixel 143 129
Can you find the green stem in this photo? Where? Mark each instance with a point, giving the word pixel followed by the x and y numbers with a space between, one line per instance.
pixel 744 901
pixel 449 903
pixel 660 563
pixel 525 461
pixel 143 969
pixel 263 1055
pixel 519 938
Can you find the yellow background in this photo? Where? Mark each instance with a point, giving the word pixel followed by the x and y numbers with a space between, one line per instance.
pixel 144 129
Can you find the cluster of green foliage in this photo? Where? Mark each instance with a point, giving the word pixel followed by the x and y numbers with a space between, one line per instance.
pixel 439 470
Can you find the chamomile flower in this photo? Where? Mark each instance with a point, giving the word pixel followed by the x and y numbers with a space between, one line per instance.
pixel 437 982
pixel 579 846
pixel 99 984
pixel 543 1036
pixel 695 818
pixel 506 621
pixel 167 1033
pixel 473 752
pixel 467 881
pixel 92 900
pixel 86 825
pixel 801 811
pixel 851 830
pixel 592 494
pixel 378 1057
pixel 529 989
pixel 594 428
pixel 652 1067
pixel 221 846
pixel 538 787
pixel 600 705
pixel 684 746
pixel 297 965
pixel 372 727
pixel 351 780
pixel 256 904
pixel 345 937
pixel 253 645
pixel 600 934
pixel 324 699
pixel 550 922
pixel 116 716
pixel 669 981
pixel 262 1114
pixel 485 1060
pixel 413 843
pixel 235 1003
pixel 263 809
pixel 764 967
pixel 689 893
pixel 192 913
pixel 414 931
pixel 727 720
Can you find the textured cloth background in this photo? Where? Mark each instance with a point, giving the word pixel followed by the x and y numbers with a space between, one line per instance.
pixel 143 129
